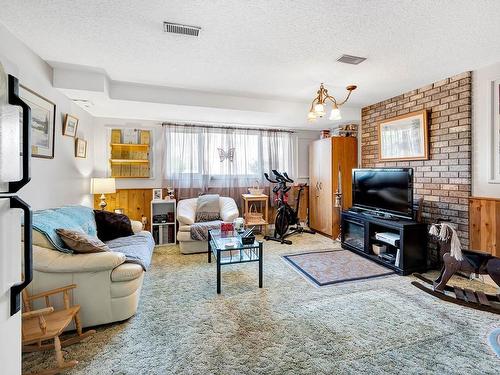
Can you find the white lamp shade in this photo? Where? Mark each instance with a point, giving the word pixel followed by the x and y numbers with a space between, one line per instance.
pixel 311 116
pixel 102 186
pixel 319 110
pixel 335 114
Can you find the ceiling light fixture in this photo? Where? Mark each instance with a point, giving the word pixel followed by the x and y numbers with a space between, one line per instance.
pixel 318 104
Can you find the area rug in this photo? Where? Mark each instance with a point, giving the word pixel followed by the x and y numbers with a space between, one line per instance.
pixel 183 327
pixel 336 266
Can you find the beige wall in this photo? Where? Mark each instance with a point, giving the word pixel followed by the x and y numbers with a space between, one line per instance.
pixel 64 179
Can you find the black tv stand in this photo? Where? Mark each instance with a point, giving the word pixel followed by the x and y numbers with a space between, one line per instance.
pixel 377 214
pixel 360 227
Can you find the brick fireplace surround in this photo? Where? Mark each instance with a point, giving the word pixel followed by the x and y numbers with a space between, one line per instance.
pixel 444 181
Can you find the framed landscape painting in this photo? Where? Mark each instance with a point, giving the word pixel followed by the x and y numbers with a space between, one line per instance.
pixel 42 123
pixel 70 125
pixel 404 137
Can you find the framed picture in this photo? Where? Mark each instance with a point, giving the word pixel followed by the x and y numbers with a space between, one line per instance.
pixel 495 146
pixel 80 148
pixel 404 137
pixel 43 121
pixel 70 125
pixel 157 194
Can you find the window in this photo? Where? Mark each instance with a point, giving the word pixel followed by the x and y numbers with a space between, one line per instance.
pixel 204 157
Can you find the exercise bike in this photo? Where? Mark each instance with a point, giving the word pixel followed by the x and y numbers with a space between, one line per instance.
pixel 287 221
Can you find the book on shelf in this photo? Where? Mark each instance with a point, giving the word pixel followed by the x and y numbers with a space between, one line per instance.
pixel 116 170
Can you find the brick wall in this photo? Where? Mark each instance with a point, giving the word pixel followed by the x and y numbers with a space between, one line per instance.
pixel 445 179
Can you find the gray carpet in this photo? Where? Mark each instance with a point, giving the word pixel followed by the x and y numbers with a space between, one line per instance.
pixel 377 326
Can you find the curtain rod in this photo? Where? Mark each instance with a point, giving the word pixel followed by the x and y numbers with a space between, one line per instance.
pixel 227 127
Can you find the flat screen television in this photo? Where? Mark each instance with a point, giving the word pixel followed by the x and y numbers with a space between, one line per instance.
pixel 389 190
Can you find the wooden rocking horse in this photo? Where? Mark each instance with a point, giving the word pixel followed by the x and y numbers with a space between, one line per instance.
pixel 455 260
pixel 41 326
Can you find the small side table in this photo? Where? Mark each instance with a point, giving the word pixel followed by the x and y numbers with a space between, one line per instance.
pixel 263 201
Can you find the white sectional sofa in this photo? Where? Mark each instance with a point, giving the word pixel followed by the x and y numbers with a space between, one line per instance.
pixel 108 289
pixel 186 214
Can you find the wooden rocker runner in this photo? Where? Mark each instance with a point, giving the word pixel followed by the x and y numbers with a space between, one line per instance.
pixel 463 297
pixel 41 328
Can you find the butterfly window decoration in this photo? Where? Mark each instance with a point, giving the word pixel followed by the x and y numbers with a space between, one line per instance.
pixel 226 155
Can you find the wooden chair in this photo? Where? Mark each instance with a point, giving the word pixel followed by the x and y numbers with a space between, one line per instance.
pixel 44 325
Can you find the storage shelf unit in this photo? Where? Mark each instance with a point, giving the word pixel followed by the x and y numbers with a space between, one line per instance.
pixel 129 161
pixel 262 201
pixel 130 153
pixel 129 145
pixel 358 235
pixel 163 221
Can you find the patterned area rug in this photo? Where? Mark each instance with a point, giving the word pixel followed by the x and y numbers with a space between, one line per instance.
pixel 333 267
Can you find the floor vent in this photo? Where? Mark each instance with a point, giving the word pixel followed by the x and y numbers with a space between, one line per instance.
pixel 349 59
pixel 177 28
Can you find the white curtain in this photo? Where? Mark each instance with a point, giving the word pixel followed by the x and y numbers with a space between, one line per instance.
pixel 226 161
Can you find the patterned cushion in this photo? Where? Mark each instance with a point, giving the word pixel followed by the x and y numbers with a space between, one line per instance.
pixel 207 208
pixel 80 242
pixel 111 225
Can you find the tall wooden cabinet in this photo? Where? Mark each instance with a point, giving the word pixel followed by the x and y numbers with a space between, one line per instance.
pixel 326 157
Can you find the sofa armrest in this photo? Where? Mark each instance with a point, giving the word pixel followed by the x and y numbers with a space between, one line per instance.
pixel 136 226
pixel 47 260
pixel 228 209
pixel 186 211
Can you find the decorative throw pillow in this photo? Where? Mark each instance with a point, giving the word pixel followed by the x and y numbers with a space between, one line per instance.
pixel 207 208
pixel 81 243
pixel 111 225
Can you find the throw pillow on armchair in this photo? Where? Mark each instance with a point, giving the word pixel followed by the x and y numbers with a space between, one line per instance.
pixel 207 208
pixel 111 225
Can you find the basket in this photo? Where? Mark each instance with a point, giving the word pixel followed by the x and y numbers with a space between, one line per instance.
pixel 255 191
pixel 253 216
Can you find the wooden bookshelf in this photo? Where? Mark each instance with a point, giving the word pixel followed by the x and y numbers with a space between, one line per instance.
pixel 129 145
pixel 130 160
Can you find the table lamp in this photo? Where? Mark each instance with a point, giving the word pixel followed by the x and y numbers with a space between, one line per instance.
pixel 102 186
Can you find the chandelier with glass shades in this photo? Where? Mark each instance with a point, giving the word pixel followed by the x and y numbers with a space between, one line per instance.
pixel 318 105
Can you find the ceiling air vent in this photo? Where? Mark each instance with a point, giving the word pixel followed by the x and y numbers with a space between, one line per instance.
pixel 177 28
pixel 349 59
pixel 83 103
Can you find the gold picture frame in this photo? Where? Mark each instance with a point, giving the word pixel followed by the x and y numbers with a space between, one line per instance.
pixel 404 137
pixel 70 125
pixel 80 148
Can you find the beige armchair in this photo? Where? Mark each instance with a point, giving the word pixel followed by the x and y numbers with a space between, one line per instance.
pixel 186 214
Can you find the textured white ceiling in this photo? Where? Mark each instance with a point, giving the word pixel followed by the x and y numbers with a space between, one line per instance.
pixel 277 49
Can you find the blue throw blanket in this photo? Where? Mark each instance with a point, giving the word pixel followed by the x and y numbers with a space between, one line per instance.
pixel 68 217
pixel 137 248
